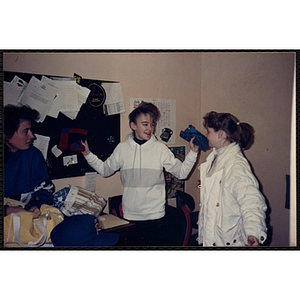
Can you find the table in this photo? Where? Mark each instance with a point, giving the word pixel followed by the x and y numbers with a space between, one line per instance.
pixel 111 223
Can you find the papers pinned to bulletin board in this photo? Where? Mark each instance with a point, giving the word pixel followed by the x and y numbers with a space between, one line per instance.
pixel 68 114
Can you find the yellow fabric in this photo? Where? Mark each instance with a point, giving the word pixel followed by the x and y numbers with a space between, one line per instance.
pixel 12 202
pixel 30 233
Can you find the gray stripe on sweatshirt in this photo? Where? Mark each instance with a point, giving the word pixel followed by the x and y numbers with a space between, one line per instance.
pixel 141 177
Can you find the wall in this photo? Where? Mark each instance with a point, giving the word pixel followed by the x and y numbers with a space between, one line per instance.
pixel 256 87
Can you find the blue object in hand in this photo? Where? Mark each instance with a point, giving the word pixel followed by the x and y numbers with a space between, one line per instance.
pixel 200 140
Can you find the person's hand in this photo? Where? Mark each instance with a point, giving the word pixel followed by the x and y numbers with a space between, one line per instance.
pixel 86 148
pixel 35 210
pixel 193 147
pixel 14 209
pixel 252 241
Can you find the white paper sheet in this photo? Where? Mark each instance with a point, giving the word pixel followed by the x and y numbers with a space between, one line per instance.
pixel 20 83
pixel 39 96
pixel 57 152
pixel 90 181
pixel 57 102
pixel 114 102
pixel 13 90
pixel 70 160
pixel 82 92
pixel 42 143
pixel 70 98
pixel 67 99
pixel 11 93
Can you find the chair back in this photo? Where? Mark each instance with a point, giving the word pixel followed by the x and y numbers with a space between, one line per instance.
pixel 115 206
pixel 178 225
pixel 183 198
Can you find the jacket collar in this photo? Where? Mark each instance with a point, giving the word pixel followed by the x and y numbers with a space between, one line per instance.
pixel 224 157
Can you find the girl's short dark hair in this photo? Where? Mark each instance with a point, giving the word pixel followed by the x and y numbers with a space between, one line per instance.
pixel 236 131
pixel 145 108
pixel 12 116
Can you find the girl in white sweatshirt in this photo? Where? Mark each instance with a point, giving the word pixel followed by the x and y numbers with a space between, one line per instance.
pixel 141 160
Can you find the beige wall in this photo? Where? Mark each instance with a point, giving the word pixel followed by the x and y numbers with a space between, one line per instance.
pixel 256 87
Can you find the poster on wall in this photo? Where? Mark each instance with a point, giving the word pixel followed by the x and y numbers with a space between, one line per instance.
pixel 166 126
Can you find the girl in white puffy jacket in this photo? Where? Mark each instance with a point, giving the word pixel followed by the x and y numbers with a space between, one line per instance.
pixel 232 209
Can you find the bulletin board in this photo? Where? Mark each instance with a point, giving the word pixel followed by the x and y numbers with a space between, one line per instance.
pixel 102 131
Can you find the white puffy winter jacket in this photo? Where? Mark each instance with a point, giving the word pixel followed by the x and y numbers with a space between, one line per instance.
pixel 231 205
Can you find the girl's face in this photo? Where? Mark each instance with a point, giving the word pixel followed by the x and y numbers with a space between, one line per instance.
pixel 212 137
pixel 216 139
pixel 144 127
pixel 22 138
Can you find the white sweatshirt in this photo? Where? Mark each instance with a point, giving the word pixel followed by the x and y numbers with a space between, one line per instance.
pixel 141 171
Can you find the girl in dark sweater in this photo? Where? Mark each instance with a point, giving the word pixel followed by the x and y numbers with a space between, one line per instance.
pixel 25 172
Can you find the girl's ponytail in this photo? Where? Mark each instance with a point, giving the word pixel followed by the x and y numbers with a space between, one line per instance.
pixel 246 135
pixel 237 132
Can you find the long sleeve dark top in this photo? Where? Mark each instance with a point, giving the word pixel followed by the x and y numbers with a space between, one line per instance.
pixel 26 177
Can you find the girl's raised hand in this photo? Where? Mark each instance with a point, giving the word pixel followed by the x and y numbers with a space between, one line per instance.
pixel 193 147
pixel 86 150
